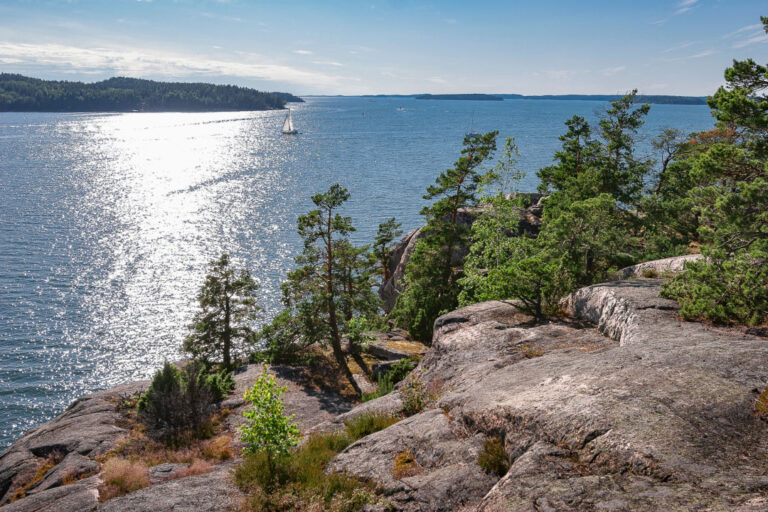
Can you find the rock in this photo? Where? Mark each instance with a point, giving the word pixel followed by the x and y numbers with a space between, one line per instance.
pixel 164 472
pixel 657 268
pixel 624 407
pixel 89 427
pixel 81 496
pixel 311 406
pixel 365 385
pixel 444 456
pixel 73 467
pixel 209 492
pixel 401 253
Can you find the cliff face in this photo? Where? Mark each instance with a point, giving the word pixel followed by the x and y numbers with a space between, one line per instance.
pixel 621 406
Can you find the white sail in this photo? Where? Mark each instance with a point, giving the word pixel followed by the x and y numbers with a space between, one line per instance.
pixel 288 124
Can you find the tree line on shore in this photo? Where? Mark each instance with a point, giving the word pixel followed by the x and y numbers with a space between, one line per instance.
pixel 120 94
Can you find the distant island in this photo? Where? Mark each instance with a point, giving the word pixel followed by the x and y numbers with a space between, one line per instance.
pixel 464 97
pixel 640 98
pixel 19 93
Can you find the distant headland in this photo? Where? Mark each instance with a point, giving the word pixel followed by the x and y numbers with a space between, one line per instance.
pixel 19 93
pixel 640 98
pixel 465 97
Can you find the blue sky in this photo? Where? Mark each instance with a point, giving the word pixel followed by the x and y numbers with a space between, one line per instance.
pixel 392 46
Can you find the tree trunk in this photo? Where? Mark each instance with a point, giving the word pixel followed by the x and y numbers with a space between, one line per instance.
pixel 227 338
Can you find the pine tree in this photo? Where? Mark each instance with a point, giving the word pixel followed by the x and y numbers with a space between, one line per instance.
pixel 332 284
pixel 227 310
pixel 432 273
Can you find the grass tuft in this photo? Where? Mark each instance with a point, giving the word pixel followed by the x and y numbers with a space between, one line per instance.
pixel 493 458
pixel 405 465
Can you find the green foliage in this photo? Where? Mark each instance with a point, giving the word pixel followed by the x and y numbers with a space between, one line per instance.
pixel 267 429
pixel 219 384
pixel 724 289
pixel 227 308
pixel 493 458
pixel 330 288
pixel 587 231
pixel 178 403
pixel 299 481
pixel 23 94
pixel 397 372
pixel 430 281
pixel 413 396
pixel 388 231
pixel 729 170
pixel 587 167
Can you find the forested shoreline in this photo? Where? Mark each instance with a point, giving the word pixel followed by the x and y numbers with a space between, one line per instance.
pixel 19 93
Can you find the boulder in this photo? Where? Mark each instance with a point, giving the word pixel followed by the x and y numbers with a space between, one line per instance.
pixel 622 407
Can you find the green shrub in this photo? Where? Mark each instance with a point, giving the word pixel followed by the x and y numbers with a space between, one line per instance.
pixel 722 290
pixel 413 396
pixel 267 428
pixel 178 403
pixel 395 374
pixel 299 481
pixel 493 458
pixel 219 384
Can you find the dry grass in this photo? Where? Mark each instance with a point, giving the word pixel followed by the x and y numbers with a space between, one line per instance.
pixel 121 476
pixel 218 448
pixel 761 405
pixel 412 348
pixel 198 467
pixel 405 465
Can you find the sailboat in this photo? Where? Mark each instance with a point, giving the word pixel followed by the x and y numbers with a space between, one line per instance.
pixel 288 128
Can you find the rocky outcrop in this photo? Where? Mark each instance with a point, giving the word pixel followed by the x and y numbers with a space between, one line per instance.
pixel 89 427
pixel 623 407
pixel 530 220
pixel 93 426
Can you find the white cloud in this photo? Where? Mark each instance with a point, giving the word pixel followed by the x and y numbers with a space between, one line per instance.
pixel 705 53
pixel 743 29
pixel 437 80
pixel 303 52
pixel 613 70
pixel 757 38
pixel 685 6
pixel 328 63
pixel 140 62
pixel 678 47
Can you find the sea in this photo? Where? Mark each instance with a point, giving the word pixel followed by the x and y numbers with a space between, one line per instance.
pixel 108 221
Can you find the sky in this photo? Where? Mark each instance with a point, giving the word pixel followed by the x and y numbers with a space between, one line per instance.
pixel 389 46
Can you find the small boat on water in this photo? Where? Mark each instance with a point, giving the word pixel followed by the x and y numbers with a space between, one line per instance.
pixel 288 128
